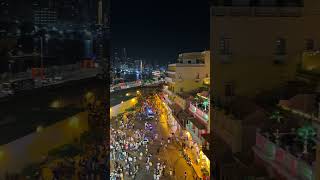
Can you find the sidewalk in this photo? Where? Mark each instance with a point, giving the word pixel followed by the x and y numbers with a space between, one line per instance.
pixel 195 166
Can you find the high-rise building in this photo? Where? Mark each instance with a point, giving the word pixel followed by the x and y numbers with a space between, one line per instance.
pixel 45 16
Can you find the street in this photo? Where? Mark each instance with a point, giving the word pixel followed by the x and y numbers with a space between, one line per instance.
pixel 166 153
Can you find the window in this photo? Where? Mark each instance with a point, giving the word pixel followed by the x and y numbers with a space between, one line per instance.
pixel 229 89
pixel 197 61
pixel 198 76
pixel 189 61
pixel 309 44
pixel 224 46
pixel 181 89
pixel 281 46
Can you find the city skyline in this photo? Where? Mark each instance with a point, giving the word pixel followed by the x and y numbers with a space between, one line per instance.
pixel 160 30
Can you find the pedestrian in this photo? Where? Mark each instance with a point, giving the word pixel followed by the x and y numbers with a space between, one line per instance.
pixel 185 175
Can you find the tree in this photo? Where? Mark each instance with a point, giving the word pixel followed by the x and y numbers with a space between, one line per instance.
pixel 276 116
pixel 206 103
pixel 306 133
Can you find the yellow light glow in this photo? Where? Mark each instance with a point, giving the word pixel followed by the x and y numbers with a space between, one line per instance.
pixel 188 134
pixel 128 94
pixel 121 102
pixel 39 129
pixel 204 157
pixel 88 95
pixel 206 81
pixel 133 100
pixel 55 104
pixel 138 92
pixel 74 122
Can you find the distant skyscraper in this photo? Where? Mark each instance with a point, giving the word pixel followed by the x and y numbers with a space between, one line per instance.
pixel 45 16
pixel 124 55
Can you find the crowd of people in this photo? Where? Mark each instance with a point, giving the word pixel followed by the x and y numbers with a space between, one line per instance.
pixel 133 153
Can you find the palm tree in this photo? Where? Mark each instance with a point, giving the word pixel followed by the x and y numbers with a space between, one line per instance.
pixel 277 117
pixel 306 133
pixel 206 103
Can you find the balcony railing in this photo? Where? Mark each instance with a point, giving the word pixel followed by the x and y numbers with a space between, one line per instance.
pixel 281 160
pixel 193 134
pixel 258 11
pixel 199 113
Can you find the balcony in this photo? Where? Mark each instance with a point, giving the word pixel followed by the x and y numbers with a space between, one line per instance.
pixel 198 113
pixel 171 72
pixel 194 133
pixel 258 11
pixel 282 160
pixel 169 80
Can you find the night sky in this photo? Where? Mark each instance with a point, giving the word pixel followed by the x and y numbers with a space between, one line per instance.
pixel 158 30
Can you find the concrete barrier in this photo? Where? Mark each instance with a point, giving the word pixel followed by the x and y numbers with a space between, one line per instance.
pixel 32 148
pixel 122 107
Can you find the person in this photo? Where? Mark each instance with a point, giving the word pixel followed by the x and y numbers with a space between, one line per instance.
pixel 185 175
